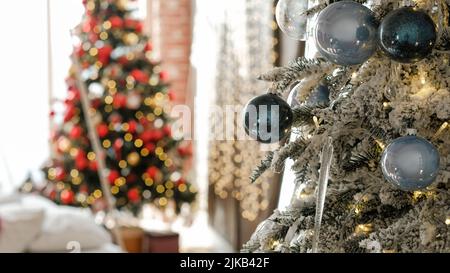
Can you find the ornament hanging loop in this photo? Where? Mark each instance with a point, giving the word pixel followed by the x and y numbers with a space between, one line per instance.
pixel 411 132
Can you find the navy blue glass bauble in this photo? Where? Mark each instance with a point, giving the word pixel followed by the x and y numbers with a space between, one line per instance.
pixel 407 35
pixel 267 118
pixel 346 33
pixel 411 163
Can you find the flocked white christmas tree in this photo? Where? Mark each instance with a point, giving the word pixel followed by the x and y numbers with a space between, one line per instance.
pixel 383 134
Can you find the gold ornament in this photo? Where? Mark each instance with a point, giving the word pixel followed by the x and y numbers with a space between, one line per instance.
pixel 64 144
pixel 122 4
pixel 131 38
pixel 133 158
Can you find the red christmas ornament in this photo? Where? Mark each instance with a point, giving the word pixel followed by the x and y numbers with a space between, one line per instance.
pixel 76 132
pixel 143 121
pixel 139 27
pixel 102 130
pixel 67 197
pixel 152 171
pixel 139 76
pixel 167 130
pixel 152 135
pixel 119 101
pixel 113 175
pixel 171 95
pixel 185 150
pixel 115 119
pixel 51 194
pixel 81 163
pixel 164 75
pixel 93 37
pixel 95 103
pixel 104 54
pixel 134 195
pixel 70 113
pixel 134 25
pixel 180 181
pixel 132 126
pixel 123 60
pixel 89 25
pixel 93 165
pixel 116 22
pixel 148 47
pixel 79 51
pixel 52 114
pixel 158 135
pixel 146 136
pixel 150 147
pixel 73 95
pixel 117 146
pixel 60 174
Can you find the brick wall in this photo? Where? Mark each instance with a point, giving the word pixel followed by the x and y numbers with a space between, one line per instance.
pixel 170 25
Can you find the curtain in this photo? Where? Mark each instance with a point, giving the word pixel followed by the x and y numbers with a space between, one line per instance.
pixel 233 44
pixel 24 102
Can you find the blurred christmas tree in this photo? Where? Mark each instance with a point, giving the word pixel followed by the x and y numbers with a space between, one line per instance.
pixel 130 101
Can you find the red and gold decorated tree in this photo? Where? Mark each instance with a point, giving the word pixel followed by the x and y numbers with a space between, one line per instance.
pixel 130 101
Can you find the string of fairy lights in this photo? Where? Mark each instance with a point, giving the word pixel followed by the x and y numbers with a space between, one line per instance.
pixel 231 162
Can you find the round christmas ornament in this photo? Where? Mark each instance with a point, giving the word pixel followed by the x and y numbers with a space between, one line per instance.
pixel 319 96
pixel 67 197
pixel 293 100
pixel 346 33
pixel 410 163
pixel 291 18
pixel 407 35
pixel 267 118
pixel 96 89
pixel 134 100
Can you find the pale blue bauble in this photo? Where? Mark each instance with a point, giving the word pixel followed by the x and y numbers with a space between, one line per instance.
pixel 291 18
pixel 346 33
pixel 292 99
pixel 411 163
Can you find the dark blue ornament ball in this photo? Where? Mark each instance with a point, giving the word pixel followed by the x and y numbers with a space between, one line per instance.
pixel 407 35
pixel 410 163
pixel 267 118
pixel 346 33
